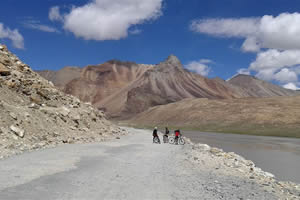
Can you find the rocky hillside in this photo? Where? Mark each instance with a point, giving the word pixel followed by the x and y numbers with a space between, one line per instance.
pixel 254 87
pixel 34 114
pixel 276 116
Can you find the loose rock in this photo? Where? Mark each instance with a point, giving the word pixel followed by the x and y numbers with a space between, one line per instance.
pixel 18 131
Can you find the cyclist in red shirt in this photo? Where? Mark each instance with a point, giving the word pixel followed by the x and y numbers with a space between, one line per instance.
pixel 177 134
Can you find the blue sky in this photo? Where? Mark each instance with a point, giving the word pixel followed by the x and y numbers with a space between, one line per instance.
pixel 226 35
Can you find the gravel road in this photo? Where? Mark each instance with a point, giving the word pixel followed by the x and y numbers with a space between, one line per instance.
pixel 129 168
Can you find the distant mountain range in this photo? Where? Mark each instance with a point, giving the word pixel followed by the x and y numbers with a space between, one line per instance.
pixel 259 88
pixel 124 89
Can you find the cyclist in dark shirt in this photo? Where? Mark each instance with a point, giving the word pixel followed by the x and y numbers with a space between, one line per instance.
pixel 155 135
pixel 166 135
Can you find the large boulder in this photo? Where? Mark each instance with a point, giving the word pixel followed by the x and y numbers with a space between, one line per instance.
pixel 4 71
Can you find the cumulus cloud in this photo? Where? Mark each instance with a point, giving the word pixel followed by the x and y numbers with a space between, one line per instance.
pixel 285 76
pixel 54 14
pixel 280 32
pixel 291 86
pixel 106 19
pixel 199 67
pixel 35 24
pixel 241 28
pixel 13 35
pixel 275 39
pixel 251 44
pixel 273 64
pixel 275 59
pixel 266 74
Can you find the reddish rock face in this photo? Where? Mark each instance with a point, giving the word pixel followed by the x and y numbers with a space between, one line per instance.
pixel 123 89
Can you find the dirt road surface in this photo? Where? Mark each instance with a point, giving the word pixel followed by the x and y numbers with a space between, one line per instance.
pixel 128 168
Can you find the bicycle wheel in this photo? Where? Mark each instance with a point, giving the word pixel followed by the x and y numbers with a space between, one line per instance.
pixel 165 139
pixel 171 140
pixel 156 140
pixel 181 141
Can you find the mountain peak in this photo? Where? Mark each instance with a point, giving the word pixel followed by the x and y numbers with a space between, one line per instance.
pixel 173 60
pixel 170 64
pixel 241 76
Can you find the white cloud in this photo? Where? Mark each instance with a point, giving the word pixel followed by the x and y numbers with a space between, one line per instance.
pixel 285 76
pixel 266 74
pixel 199 67
pixel 106 19
pixel 34 24
pixel 244 71
pixel 135 31
pixel 273 64
pixel 251 45
pixel 206 61
pixel 241 28
pixel 280 32
pixel 291 86
pixel 54 14
pixel 13 35
pixel 275 59
pixel 278 36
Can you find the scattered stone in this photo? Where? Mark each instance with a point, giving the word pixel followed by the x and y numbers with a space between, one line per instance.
pixel 13 115
pixel 19 132
pixel 202 147
pixel 64 111
pixel 33 105
pixel 4 130
pixel 216 151
pixel 36 99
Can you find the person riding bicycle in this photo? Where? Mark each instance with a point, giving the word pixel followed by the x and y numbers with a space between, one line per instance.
pixel 177 134
pixel 167 131
pixel 155 135
pixel 166 135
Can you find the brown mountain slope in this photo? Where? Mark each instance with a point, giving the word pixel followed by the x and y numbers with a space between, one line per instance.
pixel 123 89
pixel 277 116
pixel 62 77
pixel 170 82
pixel 259 88
pixel 97 83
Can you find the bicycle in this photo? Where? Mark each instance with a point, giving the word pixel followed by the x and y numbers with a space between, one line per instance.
pixel 165 138
pixel 156 140
pixel 173 140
